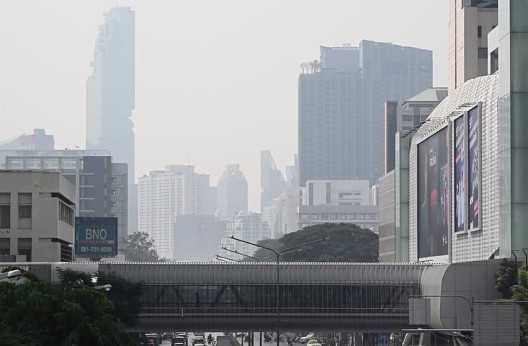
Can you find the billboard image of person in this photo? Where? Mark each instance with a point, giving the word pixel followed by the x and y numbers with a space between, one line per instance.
pixel 459 179
pixel 473 168
pixel 433 195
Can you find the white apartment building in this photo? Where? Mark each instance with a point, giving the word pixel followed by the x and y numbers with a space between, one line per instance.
pixel 37 217
pixel 282 213
pixel 248 226
pixel 164 195
pixel 338 201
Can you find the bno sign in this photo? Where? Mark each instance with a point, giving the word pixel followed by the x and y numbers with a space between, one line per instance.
pixel 95 237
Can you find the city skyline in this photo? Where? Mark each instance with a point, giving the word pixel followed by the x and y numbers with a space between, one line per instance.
pixel 245 92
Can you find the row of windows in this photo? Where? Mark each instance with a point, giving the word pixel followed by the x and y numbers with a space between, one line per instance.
pixel 338 216
pixel 25 211
pixel 24 247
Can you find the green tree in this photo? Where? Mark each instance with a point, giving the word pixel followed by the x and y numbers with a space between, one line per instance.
pixel 139 247
pixel 520 293
pixel 506 277
pixel 124 294
pixel 346 243
pixel 35 313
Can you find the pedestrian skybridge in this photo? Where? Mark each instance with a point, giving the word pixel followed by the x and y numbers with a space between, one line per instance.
pixel 243 296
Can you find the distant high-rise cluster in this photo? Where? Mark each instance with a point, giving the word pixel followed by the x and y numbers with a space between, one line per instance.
pixel 110 95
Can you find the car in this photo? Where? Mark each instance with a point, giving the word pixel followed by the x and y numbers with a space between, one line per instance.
pixel 313 342
pixel 152 339
pixel 179 340
pixel 198 340
pixel 305 339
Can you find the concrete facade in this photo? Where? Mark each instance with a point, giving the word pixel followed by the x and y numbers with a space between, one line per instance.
pixel 364 216
pixel 469 25
pixel 101 186
pixel 336 192
pixel 37 216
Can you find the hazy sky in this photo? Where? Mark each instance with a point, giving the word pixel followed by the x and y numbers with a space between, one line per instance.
pixel 216 80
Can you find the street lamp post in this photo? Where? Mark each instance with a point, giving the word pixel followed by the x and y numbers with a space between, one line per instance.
pixel 12 274
pixel 277 256
pixel 106 287
pixel 240 253
pixel 226 258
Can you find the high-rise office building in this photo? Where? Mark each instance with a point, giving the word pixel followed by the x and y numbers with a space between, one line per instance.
pixel 165 195
pixel 232 193
pixel 470 21
pixel 341 107
pixel 110 95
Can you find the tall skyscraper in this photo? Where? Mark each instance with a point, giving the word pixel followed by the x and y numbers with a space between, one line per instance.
pixel 232 193
pixel 110 94
pixel 341 107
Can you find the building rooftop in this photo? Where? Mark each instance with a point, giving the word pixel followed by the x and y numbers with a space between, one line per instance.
pixel 429 95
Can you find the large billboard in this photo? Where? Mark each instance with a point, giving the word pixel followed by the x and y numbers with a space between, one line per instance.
pixel 95 237
pixel 459 175
pixel 474 175
pixel 433 195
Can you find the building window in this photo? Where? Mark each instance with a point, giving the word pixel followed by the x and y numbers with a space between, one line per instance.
pixel 24 210
pixel 5 216
pixel 24 248
pixel 479 31
pixel 65 214
pixel 5 210
pixel 5 246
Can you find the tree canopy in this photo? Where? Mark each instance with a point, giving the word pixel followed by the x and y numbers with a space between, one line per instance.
pixel 345 243
pixel 124 294
pixel 35 313
pixel 139 247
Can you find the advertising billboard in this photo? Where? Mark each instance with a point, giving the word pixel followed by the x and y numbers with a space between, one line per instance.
pixel 433 195
pixel 459 175
pixel 95 237
pixel 474 175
